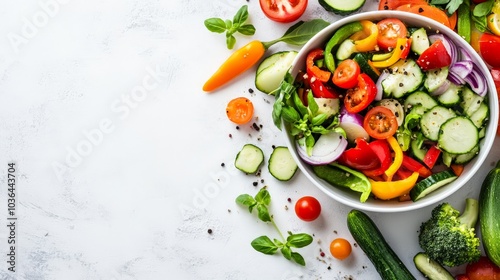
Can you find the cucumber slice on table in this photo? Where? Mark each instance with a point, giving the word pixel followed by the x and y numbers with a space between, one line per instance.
pixel 431 183
pixel 281 164
pixel 249 159
pixel 342 7
pixel 272 70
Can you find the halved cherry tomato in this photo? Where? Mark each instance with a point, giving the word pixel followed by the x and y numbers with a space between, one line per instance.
pixel 283 10
pixel 393 4
pixel 389 30
pixel 340 248
pixel 359 97
pixel 360 157
pixel 239 110
pixel 435 56
pixel 489 45
pixel 346 74
pixel 380 122
pixel 312 69
pixel 307 208
pixel 321 90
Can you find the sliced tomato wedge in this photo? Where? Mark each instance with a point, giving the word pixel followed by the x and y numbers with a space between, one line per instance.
pixel 389 30
pixel 489 45
pixel 346 74
pixel 283 10
pixel 240 110
pixel 380 122
pixel 435 56
pixel 358 98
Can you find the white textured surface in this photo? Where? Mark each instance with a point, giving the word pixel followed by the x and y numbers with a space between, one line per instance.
pixel 119 152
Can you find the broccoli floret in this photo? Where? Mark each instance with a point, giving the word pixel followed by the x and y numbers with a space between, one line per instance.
pixel 450 238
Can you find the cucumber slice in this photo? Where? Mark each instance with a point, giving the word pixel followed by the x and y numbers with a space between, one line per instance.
pixel 458 135
pixel 435 78
pixel 465 158
pixel 346 49
pixel 342 7
pixel 406 76
pixel 431 121
pixel 281 164
pixel 480 116
pixel 431 183
pixel 272 70
pixel 419 97
pixel 470 101
pixel 430 268
pixel 419 41
pixel 396 107
pixel 451 96
pixel 249 159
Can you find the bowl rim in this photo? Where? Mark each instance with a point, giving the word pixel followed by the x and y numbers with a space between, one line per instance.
pixel 486 142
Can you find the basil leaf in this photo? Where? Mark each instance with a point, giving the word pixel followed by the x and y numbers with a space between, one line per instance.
pixel 439 2
pixel 299 240
pixel 483 9
pixel 263 213
pixel 319 119
pixel 216 25
pixel 246 29
pixel 290 115
pixel 263 197
pixel 287 253
pixel 230 41
pixel 302 32
pixel 298 258
pixel 246 200
pixel 264 245
pixel 241 16
pixel 311 104
pixel 453 5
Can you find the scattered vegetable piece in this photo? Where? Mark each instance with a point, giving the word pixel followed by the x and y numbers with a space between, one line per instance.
pixel 483 269
pixel 307 208
pixel 283 10
pixel 281 164
pixel 430 268
pixel 340 248
pixel 249 159
pixel 240 110
pixel 219 25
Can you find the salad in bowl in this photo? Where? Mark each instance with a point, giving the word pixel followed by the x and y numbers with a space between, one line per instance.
pixel 388 111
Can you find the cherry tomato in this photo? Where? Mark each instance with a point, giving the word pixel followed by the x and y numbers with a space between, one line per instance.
pixel 483 269
pixel 489 45
pixel 239 110
pixel 380 122
pixel 359 97
pixel 346 74
pixel 435 56
pixel 389 30
pixel 462 277
pixel 283 10
pixel 307 208
pixel 340 248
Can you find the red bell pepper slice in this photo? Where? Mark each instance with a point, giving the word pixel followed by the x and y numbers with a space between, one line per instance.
pixel 431 156
pixel 312 69
pixel 382 151
pixel 360 157
pixel 413 165
pixel 320 89
pixel 403 173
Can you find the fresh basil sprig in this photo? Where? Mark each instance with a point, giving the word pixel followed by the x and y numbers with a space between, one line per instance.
pixel 263 243
pixel 479 14
pixel 305 121
pixel 219 25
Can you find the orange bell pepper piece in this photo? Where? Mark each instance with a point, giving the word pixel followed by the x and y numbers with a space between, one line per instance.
pixel 366 39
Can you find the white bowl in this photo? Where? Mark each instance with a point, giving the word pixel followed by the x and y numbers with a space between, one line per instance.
pixel 351 198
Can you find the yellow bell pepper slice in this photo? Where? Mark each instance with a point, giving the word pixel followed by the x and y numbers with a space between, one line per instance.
pixel 366 39
pixel 398 158
pixel 389 190
pixel 396 55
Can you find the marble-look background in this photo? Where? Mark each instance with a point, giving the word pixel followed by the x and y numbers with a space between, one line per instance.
pixel 123 164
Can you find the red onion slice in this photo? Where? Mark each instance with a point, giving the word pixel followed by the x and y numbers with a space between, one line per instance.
pixel 327 149
pixel 352 125
pixel 380 89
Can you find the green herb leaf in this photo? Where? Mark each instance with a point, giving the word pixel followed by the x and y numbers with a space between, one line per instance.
pixel 241 16
pixel 311 104
pixel 483 9
pixel 263 197
pixel 299 240
pixel 247 29
pixel 319 119
pixel 290 115
pixel 298 258
pixel 302 32
pixel 216 25
pixel 246 200
pixel 230 41
pixel 286 252
pixel 264 245
pixel 263 213
pixel 453 5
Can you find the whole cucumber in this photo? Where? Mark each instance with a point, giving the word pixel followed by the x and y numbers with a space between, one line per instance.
pixel 489 214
